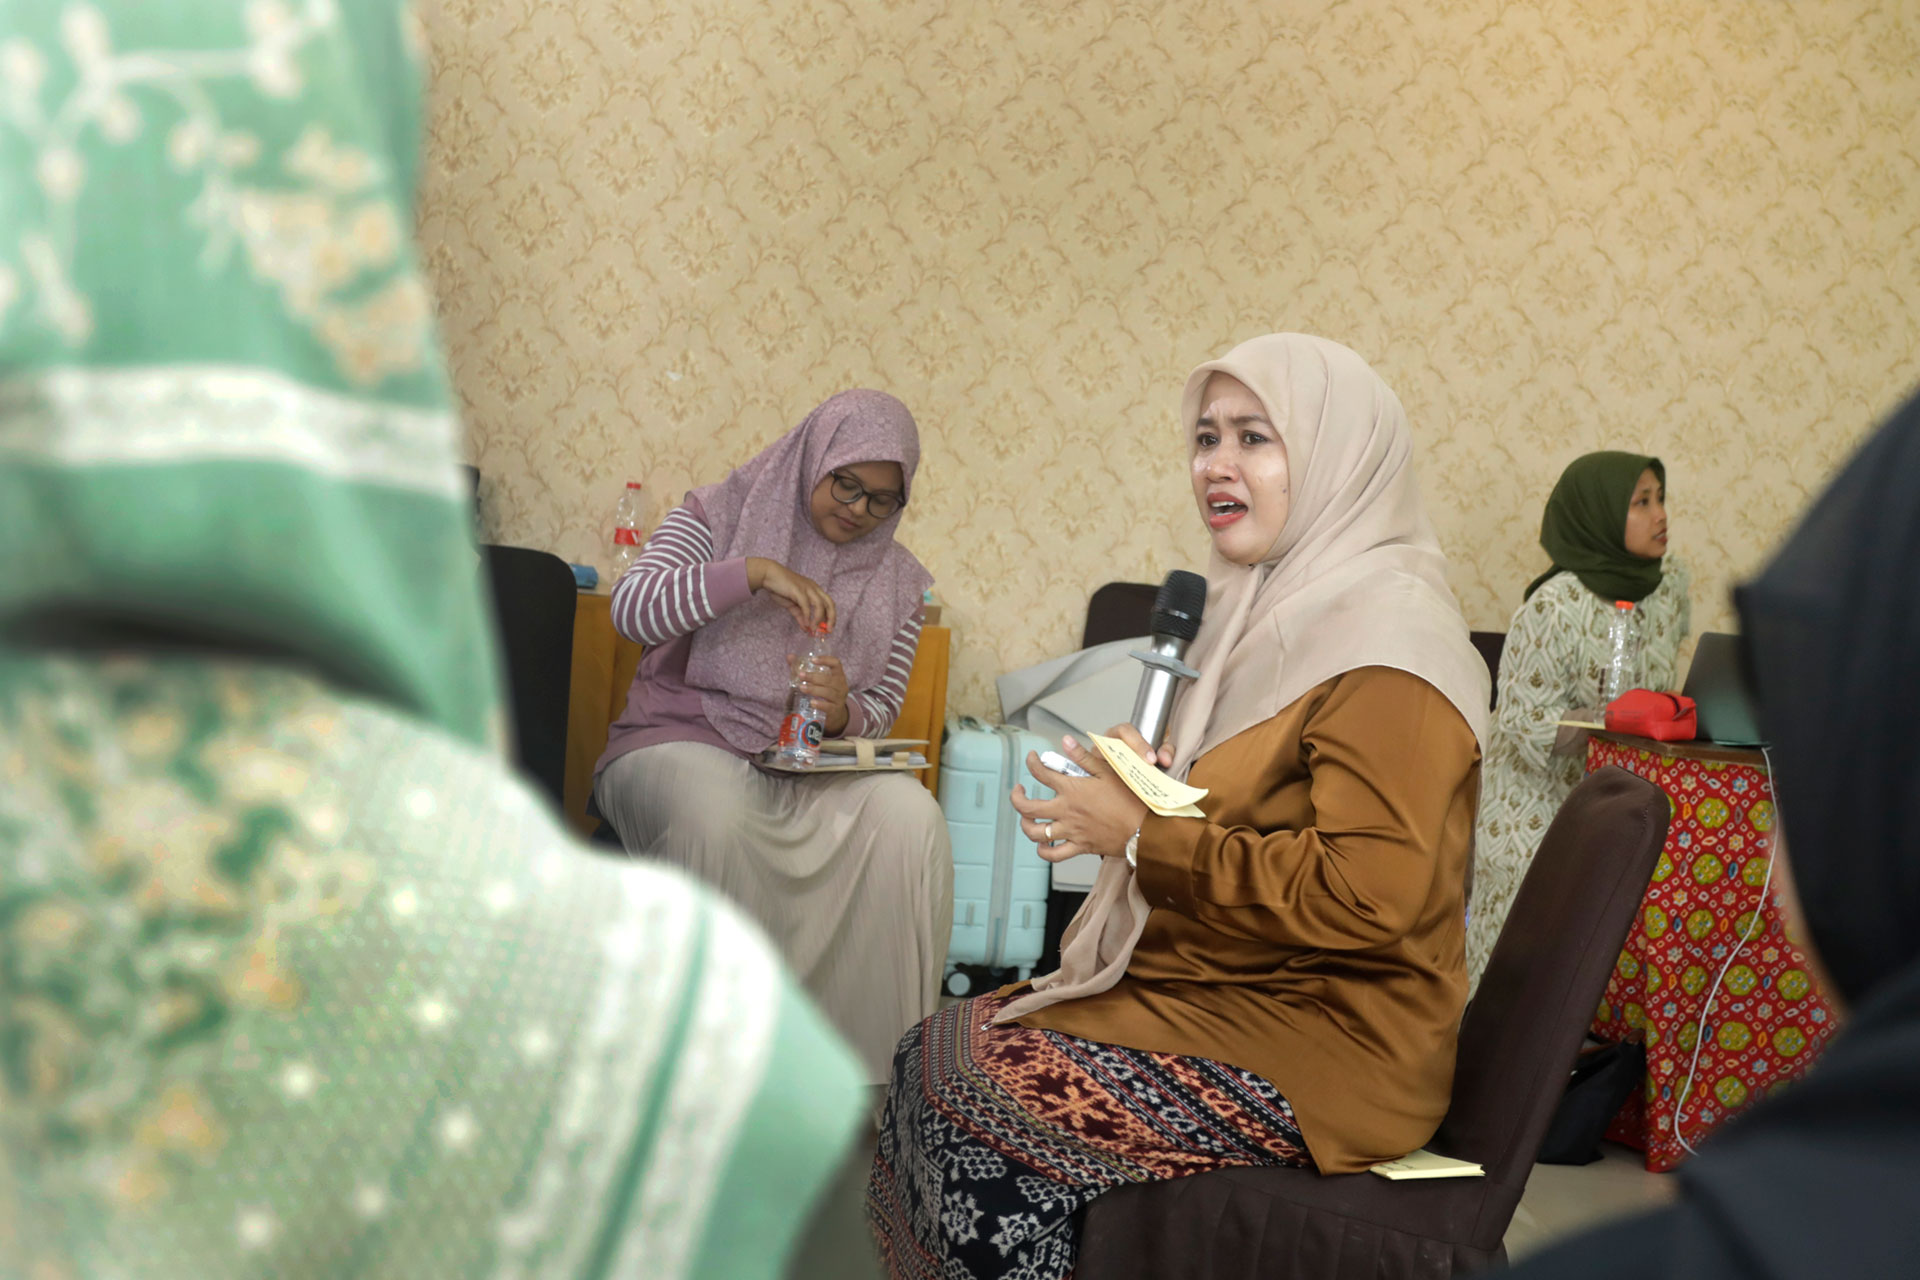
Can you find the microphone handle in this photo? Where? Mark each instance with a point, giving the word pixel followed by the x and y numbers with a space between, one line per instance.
pixel 1153 705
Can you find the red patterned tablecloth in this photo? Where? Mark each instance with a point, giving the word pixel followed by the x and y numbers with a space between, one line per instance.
pixel 1768 1021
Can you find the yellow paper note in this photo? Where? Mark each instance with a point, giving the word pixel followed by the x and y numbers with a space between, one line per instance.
pixel 1425 1164
pixel 1163 795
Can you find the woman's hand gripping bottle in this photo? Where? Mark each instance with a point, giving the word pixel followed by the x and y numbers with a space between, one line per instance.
pixel 805 724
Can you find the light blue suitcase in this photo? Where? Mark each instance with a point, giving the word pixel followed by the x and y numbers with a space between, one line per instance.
pixel 1000 880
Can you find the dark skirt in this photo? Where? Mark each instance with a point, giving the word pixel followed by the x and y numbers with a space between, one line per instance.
pixel 993 1139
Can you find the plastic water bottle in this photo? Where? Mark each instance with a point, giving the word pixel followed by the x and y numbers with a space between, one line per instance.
pixel 629 518
pixel 1623 652
pixel 805 724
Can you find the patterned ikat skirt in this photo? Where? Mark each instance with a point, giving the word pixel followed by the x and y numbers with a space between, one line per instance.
pixel 994 1139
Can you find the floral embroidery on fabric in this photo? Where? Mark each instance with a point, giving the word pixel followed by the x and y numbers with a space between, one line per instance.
pixel 312 221
pixel 207 843
pixel 282 968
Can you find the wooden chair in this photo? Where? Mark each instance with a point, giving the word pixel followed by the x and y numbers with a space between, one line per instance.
pixel 604 664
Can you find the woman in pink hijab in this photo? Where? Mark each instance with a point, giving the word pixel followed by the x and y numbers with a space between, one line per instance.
pixel 851 874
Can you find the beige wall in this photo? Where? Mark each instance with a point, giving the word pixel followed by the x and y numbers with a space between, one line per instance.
pixel 663 230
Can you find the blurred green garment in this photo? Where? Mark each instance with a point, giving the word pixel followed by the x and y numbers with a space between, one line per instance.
pixel 296 980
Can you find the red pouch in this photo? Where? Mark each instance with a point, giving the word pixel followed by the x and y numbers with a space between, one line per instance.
pixel 1664 717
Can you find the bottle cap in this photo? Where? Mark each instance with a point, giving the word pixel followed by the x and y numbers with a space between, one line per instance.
pixel 633 484
pixel 820 628
pixel 1623 604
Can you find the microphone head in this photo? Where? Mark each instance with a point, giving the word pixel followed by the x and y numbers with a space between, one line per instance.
pixel 1177 608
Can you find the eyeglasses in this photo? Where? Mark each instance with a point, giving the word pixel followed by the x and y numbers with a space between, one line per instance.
pixel 847 492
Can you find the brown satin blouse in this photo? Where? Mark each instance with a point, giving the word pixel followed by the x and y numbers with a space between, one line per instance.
pixel 1311 928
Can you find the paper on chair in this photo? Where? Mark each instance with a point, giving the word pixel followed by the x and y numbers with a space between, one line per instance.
pixel 1424 1164
pixel 1162 794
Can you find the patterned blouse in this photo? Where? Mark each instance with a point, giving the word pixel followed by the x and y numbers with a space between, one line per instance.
pixel 675 588
pixel 1555 660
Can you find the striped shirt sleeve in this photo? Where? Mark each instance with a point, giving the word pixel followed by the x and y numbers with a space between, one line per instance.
pixel 675 587
pixel 871 711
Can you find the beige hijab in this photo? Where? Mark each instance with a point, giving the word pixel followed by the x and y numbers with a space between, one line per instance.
pixel 1356 579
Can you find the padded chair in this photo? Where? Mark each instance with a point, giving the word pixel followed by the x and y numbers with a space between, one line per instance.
pixel 533 603
pixel 1517 1045
pixel 1118 610
pixel 1491 644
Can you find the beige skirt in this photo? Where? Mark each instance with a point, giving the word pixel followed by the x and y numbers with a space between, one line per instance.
pixel 850 874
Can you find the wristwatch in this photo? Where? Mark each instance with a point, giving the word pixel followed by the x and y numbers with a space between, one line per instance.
pixel 1133 848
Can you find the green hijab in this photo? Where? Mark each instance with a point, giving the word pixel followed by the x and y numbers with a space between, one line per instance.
pixel 1584 528
pixel 223 414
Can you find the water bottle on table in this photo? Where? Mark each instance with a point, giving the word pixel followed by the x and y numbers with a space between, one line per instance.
pixel 1623 653
pixel 805 724
pixel 629 518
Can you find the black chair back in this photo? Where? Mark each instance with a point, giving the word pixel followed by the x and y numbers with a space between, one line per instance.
pixel 533 603
pixel 1491 644
pixel 1517 1045
pixel 1548 970
pixel 1118 610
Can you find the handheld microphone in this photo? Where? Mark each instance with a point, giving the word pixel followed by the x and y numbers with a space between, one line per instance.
pixel 1176 621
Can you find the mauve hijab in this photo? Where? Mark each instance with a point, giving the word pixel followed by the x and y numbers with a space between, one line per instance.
pixel 739 660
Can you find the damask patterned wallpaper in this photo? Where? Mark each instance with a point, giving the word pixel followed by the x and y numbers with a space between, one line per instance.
pixel 662 231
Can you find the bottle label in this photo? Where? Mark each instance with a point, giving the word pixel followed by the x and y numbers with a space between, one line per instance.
pixel 626 537
pixel 798 728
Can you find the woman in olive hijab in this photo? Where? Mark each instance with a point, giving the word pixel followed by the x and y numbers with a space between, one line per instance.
pixel 1605 528
pixel 1818 1181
